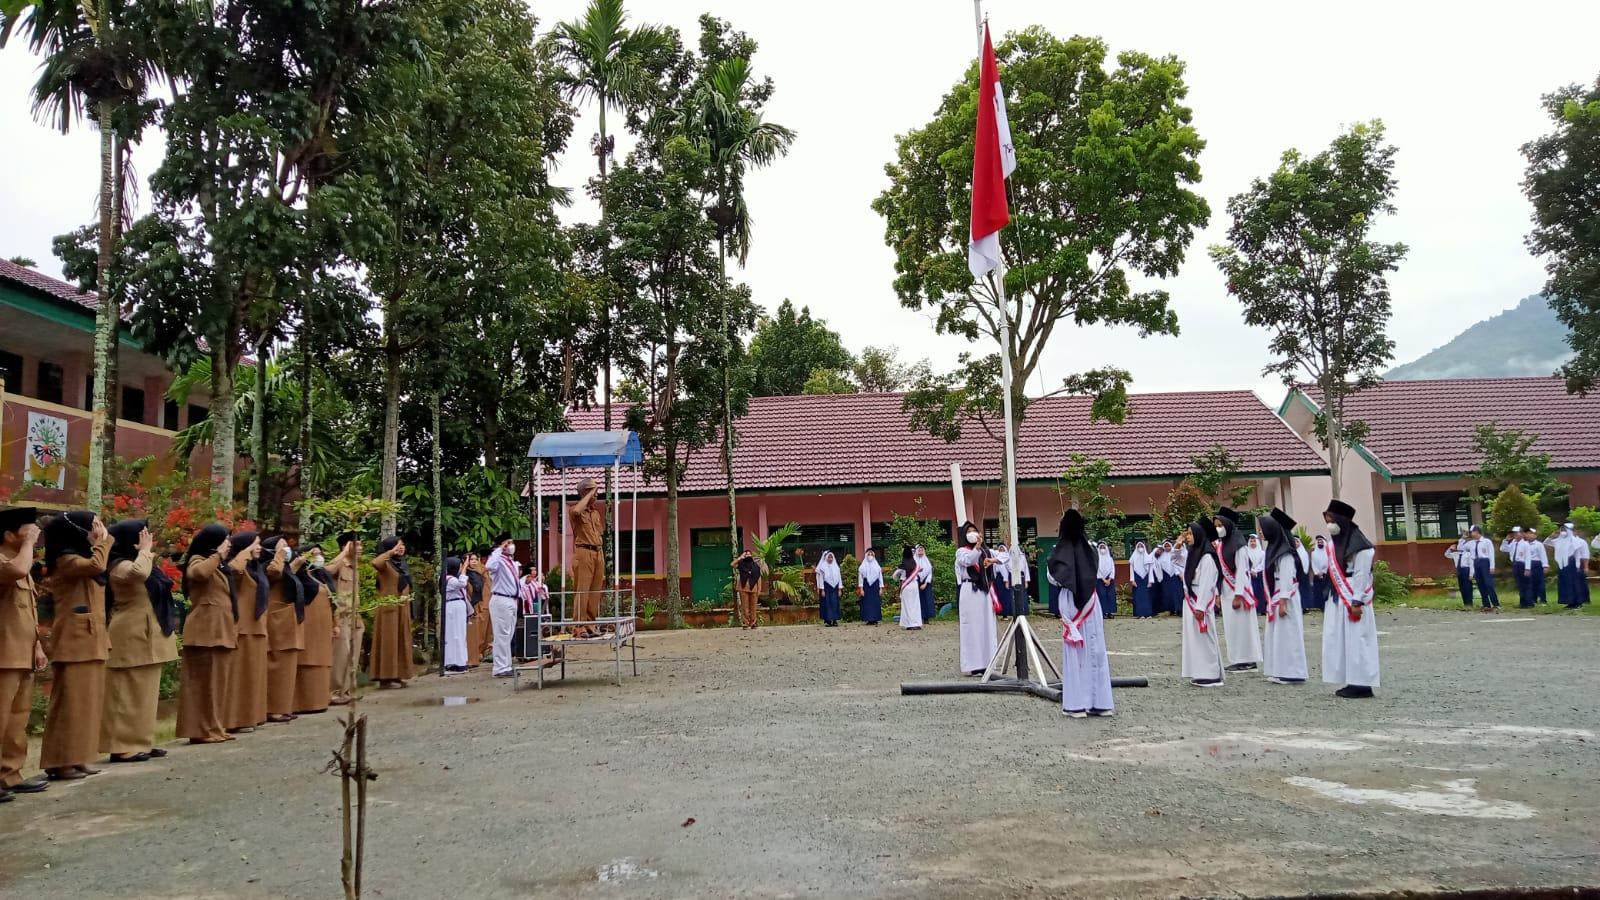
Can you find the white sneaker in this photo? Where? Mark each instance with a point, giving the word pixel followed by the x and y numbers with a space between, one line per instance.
pixel 1206 684
pixel 1075 714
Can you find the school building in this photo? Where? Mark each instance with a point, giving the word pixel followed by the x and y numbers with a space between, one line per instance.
pixel 46 381
pixel 1410 480
pixel 842 466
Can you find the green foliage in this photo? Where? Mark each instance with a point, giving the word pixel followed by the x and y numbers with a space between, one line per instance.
pixel 478 507
pixel 1506 457
pixel 326 517
pixel 648 610
pixel 1563 179
pixel 1387 587
pixel 935 542
pixel 1106 158
pixel 1184 505
pixel 1214 469
pixel 1299 260
pixel 1512 508
pixel 170 671
pixel 1082 486
pixel 1586 519
pixel 789 346
pixel 879 370
pixel 828 381
pixel 849 603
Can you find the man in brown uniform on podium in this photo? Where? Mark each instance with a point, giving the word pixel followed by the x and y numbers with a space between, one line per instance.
pixel 588 518
pixel 21 654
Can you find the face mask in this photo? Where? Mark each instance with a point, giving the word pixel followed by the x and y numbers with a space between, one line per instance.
pixel 972 537
pixel 1333 527
pixel 1222 531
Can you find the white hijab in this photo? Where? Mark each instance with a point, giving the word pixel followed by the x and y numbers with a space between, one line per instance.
pixel 1177 560
pixel 1139 562
pixel 924 566
pixel 1319 557
pixel 870 571
pixel 1108 566
pixel 828 571
pixel 1258 554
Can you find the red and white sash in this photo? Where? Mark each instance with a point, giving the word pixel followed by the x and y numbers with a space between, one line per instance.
pixel 1347 591
pixel 1228 579
pixel 1279 598
pixel 1071 627
pixel 1199 611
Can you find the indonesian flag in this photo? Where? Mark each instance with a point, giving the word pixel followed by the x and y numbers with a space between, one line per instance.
pixel 993 160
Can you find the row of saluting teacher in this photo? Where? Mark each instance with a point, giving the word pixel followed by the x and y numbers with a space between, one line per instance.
pixel 1216 577
pixel 262 641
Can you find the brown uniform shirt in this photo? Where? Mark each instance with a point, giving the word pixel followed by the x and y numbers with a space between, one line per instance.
pixel 249 622
pixel 79 636
pixel 284 630
pixel 136 638
pixel 210 622
pixel 588 525
pixel 345 579
pixel 388 578
pixel 19 622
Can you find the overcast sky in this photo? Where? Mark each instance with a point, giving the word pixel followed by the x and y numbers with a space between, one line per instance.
pixel 1458 88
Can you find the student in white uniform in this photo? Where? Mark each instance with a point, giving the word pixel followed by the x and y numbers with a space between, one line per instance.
pixel 504 572
pixel 1461 554
pixel 1284 644
pixel 1202 581
pixel 455 616
pixel 1085 665
pixel 910 591
pixel 1320 588
pixel 1537 561
pixel 1349 626
pixel 1483 568
pixel 1238 597
pixel 975 577
pixel 1511 546
pixel 1177 563
pixel 1572 558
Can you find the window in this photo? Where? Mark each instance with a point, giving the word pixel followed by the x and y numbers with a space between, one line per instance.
pixel 169 415
pixel 52 383
pixel 991 530
pixel 645 561
pixel 1445 514
pixel 884 539
pixel 132 404
pixel 814 539
pixel 197 414
pixel 11 372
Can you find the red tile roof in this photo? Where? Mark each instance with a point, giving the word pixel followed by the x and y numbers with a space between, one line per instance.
pixel 61 290
pixel 1425 427
pixel 862 439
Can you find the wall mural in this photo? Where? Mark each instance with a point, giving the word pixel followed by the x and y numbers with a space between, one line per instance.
pixel 47 451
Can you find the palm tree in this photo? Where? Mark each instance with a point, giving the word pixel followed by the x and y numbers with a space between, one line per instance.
pixel 599 57
pixel 91 70
pixel 737 138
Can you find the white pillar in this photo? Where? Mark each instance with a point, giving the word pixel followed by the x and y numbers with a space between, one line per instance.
pixel 1410 511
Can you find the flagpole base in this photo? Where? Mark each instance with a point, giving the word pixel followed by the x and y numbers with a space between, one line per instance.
pixel 1020 649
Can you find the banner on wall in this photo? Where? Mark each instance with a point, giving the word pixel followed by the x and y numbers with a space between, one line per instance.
pixel 47 451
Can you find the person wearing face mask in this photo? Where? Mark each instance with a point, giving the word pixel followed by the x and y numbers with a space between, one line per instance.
pixel 313 679
pixel 1238 595
pixel 869 587
pixel 925 583
pixel 391 621
pixel 975 566
pixel 1105 580
pixel 1350 627
pixel 1319 574
pixel 1284 645
pixel 1085 663
pixel 1002 578
pixel 1177 563
pixel 142 616
pixel 1571 553
pixel 211 574
pixel 504 591
pixel 1140 567
pixel 1258 570
pixel 1203 585
pixel 910 602
pixel 21 651
pixel 829 583
pixel 76 549
pixel 247 664
pixel 286 635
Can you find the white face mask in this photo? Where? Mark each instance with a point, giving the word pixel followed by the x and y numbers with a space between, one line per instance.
pixel 1222 531
pixel 1333 527
pixel 972 537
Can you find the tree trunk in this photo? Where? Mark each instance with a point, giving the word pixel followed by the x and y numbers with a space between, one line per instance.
pixel 222 436
pixel 114 356
pixel 674 558
pixel 258 432
pixel 605 316
pixel 438 526
pixel 1335 446
pixel 304 341
pixel 727 399
pixel 105 318
pixel 391 415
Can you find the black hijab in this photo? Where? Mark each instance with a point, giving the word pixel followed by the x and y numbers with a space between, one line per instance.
pixel 398 562
pixel 1349 541
pixel 1280 543
pixel 293 591
pixel 125 545
pixel 979 575
pixel 1073 562
pixel 256 567
pixel 749 572
pixel 1235 538
pixel 204 543
pixel 475 579
pixel 310 585
pixel 67 535
pixel 452 568
pixel 908 560
pixel 1204 534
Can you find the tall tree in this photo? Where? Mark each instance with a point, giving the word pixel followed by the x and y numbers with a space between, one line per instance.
pixel 727 118
pixel 92 69
pixel 1299 259
pixel 1105 160
pixel 1563 184
pixel 879 370
pixel 788 346
pixel 601 58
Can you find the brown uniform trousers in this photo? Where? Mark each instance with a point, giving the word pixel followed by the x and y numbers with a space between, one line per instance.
pixel 588 562
pixel 19 631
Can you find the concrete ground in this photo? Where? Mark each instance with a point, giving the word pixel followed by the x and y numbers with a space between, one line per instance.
pixel 785 763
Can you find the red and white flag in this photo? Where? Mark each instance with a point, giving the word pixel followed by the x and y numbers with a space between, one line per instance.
pixel 993 160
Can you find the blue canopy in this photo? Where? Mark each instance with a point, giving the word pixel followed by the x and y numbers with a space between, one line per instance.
pixel 576 449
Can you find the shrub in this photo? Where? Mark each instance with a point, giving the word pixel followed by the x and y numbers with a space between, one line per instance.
pixel 1387 587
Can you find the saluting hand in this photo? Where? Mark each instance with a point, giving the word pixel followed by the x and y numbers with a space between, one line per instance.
pixel 146 540
pixel 97 532
pixel 29 532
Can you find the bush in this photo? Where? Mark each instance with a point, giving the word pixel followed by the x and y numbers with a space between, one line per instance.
pixel 849 603
pixel 1387 587
pixel 169 672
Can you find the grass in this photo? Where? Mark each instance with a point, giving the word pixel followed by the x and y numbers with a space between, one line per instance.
pixel 1448 599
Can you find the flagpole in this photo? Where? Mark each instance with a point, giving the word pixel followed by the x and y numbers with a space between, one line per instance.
pixel 997 280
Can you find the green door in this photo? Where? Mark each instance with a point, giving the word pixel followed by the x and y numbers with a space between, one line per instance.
pixel 1041 587
pixel 710 563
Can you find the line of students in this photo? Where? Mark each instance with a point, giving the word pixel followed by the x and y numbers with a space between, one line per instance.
pixel 1474 558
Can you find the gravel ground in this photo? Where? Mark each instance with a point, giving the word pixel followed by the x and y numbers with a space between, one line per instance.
pixel 806 774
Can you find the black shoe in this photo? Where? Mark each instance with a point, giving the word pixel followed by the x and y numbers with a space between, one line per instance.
pixel 157 753
pixel 128 758
pixel 32 786
pixel 6 796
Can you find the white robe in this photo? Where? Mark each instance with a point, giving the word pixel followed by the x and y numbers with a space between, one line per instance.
pixel 910 600
pixel 455 620
pixel 1239 625
pixel 1085 669
pixel 1284 648
pixel 1350 649
pixel 1202 658
pixel 979 632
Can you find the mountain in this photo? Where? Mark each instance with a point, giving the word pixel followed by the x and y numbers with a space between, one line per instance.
pixel 1526 339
